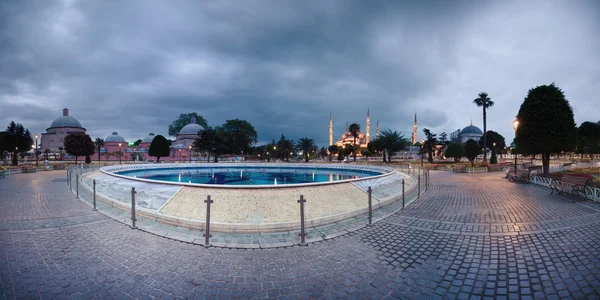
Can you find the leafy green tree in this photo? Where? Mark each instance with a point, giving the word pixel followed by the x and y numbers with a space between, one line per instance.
pixel 79 144
pixel 46 152
pixel 455 150
pixel 17 140
pixel 323 153
pixel 354 131
pixel 138 142
pixel 284 147
pixel 588 138
pixel 159 148
pixel 118 154
pixel 388 143
pixel 107 155
pixel 494 141
pixel 472 149
pixel 239 135
pixel 208 141
pixel 99 143
pixel 185 119
pixel 443 138
pixel 306 145
pixel 429 144
pixel 3 146
pixel 546 124
pixel 366 153
pixel 485 102
pixel 333 150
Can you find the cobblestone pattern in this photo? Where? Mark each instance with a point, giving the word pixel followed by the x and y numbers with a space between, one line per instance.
pixel 106 259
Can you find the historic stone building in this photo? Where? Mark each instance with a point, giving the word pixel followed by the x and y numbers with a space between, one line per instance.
pixel 54 137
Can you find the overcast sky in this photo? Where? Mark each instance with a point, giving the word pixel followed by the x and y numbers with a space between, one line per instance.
pixel 134 66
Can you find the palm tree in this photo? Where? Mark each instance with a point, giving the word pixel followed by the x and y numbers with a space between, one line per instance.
pixel 284 147
pixel 306 145
pixel 99 142
pixel 390 142
pixel 354 131
pixel 485 102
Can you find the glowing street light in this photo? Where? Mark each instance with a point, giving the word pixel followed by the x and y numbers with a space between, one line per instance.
pixel 515 126
pixel 36 137
pixel 190 147
pixel 120 153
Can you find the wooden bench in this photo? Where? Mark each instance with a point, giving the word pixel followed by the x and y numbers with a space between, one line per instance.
pixel 524 175
pixel 575 184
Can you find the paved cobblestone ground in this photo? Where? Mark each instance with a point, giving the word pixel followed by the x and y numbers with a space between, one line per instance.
pixel 468 237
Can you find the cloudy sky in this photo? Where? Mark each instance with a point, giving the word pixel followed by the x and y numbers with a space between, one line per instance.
pixel 134 66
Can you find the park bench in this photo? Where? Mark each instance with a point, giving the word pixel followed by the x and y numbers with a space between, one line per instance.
pixel 523 175
pixel 567 165
pixel 575 184
pixel 2 172
pixel 59 167
pixel 460 169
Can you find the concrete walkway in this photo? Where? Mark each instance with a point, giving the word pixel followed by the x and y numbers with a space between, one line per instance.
pixel 470 236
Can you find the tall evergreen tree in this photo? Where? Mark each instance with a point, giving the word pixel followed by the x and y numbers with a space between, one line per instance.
pixel 159 148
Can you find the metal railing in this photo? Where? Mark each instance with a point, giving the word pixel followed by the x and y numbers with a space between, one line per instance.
pixel 130 212
pixel 591 193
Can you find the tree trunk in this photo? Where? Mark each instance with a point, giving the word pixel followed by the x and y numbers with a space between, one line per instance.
pixel 430 158
pixel 546 163
pixel 484 132
pixel 15 159
pixel 383 155
pixel 158 159
pixel 76 159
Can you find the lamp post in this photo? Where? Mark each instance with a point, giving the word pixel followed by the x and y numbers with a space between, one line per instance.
pixel 494 148
pixel 179 155
pixel 422 152
pixel 190 147
pixel 120 153
pixel 515 126
pixel 36 137
pixel 274 148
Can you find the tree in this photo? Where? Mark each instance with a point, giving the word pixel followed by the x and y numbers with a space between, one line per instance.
pixel 333 150
pixel 159 147
pixel 429 144
pixel 240 135
pixel 3 146
pixel 443 138
pixel 354 131
pixel 588 138
pixel 366 153
pixel 484 101
pixel 118 154
pixel 107 155
pixel 46 152
pixel 456 151
pixel 284 147
pixel 323 153
pixel 99 142
pixel 185 119
pixel 546 124
pixel 388 142
pixel 472 149
pixel 79 144
pixel 494 141
pixel 138 142
pixel 306 145
pixel 17 140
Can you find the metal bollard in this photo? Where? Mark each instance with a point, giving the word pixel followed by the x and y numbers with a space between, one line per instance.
pixel 133 192
pixel 302 232
pixel 94 187
pixel 68 178
pixel 403 195
pixel 70 184
pixel 426 179
pixel 370 191
pixel 419 186
pixel 77 185
pixel 207 234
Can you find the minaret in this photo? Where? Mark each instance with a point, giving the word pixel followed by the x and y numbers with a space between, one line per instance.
pixel 415 131
pixel 346 126
pixel 330 130
pixel 377 130
pixel 368 129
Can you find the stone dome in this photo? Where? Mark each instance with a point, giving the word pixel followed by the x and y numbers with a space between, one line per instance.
pixel 191 128
pixel 149 138
pixel 115 138
pixel 472 130
pixel 65 121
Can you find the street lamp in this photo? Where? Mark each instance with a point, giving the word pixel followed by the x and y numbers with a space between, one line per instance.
pixel 422 152
pixel 178 155
pixel 190 147
pixel 120 153
pixel 36 137
pixel 515 126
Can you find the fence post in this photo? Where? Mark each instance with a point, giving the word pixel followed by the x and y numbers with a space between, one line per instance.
pixel 207 235
pixel 77 185
pixel 302 232
pixel 94 186
pixel 426 179
pixel 70 184
pixel 403 195
pixel 133 192
pixel 370 191
pixel 419 186
pixel 68 178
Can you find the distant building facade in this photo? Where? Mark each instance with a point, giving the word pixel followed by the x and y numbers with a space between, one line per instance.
pixel 54 137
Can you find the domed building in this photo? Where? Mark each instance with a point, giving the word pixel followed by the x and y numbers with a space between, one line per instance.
pixel 54 137
pixel 115 138
pixel 187 135
pixel 470 132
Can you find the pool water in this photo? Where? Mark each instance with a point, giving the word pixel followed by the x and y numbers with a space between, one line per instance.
pixel 248 175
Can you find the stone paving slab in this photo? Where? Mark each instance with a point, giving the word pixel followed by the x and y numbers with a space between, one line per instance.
pixel 108 260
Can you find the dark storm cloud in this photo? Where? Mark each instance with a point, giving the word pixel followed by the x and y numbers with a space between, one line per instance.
pixel 285 65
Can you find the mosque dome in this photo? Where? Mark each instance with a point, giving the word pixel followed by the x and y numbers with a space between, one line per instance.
pixel 471 130
pixel 65 121
pixel 191 128
pixel 115 138
pixel 149 138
